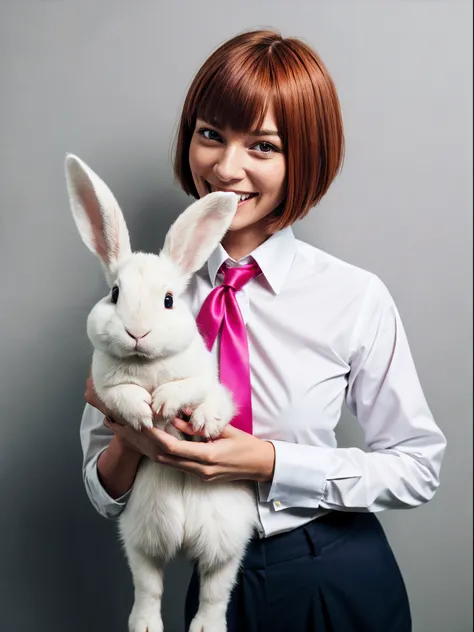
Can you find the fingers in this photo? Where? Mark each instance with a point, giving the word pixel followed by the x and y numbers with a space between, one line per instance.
pixel 186 427
pixel 166 449
pixel 185 413
pixel 192 450
pixel 122 431
pixel 202 471
pixel 114 423
pixel 111 424
pixel 167 445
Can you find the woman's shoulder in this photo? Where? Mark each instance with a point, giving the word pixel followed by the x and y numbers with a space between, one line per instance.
pixel 340 279
pixel 318 263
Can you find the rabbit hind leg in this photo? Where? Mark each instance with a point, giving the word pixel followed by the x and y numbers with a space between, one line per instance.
pixel 148 583
pixel 215 586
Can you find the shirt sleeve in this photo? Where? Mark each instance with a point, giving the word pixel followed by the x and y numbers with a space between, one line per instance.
pixel 406 447
pixel 95 437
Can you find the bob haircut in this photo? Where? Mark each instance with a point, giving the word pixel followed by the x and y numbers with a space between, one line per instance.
pixel 233 89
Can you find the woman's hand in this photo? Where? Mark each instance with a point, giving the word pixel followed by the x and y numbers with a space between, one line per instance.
pixel 235 455
pixel 142 441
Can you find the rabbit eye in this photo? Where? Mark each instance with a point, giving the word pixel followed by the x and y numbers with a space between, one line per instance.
pixel 115 294
pixel 169 301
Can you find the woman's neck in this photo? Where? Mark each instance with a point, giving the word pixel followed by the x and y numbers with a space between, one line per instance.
pixel 240 243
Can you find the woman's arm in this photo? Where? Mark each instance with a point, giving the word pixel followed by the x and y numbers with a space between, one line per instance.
pixel 402 466
pixel 96 440
pixel 117 467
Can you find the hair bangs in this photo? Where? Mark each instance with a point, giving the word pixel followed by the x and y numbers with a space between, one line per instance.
pixel 237 98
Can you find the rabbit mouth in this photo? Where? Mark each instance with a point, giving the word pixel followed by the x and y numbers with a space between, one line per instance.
pixel 140 354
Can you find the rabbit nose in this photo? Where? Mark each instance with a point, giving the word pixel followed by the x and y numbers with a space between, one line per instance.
pixel 136 336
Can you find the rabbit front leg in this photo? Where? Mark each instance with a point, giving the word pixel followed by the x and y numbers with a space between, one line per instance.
pixel 131 402
pixel 169 398
pixel 148 582
pixel 215 412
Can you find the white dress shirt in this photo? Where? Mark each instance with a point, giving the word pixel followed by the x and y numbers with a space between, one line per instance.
pixel 321 332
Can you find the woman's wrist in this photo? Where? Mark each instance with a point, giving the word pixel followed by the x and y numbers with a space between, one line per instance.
pixel 124 451
pixel 267 462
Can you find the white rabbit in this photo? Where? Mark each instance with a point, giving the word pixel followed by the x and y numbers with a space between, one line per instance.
pixel 148 355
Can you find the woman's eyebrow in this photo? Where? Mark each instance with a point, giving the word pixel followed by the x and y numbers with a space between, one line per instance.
pixel 255 132
pixel 264 132
pixel 212 123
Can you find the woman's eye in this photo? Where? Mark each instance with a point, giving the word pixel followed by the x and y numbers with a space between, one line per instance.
pixel 115 294
pixel 265 148
pixel 210 134
pixel 169 301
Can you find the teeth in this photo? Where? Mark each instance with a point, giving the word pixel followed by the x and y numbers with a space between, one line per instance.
pixel 242 198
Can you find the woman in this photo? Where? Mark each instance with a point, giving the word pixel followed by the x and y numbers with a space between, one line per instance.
pixel 262 119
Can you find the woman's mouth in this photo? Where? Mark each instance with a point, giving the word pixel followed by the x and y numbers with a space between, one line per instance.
pixel 243 197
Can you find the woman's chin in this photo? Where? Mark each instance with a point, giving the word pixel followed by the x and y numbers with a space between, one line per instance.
pixel 243 221
pixel 238 225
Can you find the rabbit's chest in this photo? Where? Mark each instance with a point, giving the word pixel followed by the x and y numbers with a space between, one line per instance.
pixel 156 376
pixel 151 376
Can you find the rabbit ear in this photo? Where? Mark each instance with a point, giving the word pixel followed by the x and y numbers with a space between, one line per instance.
pixel 97 215
pixel 199 229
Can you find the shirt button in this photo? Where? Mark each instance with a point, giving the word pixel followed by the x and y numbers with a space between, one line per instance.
pixel 277 503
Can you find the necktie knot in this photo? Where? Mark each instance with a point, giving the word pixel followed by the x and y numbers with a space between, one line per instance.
pixel 237 277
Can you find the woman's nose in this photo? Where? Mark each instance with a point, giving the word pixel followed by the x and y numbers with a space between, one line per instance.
pixel 230 165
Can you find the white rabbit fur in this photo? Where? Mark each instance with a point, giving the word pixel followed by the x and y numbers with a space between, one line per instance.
pixel 166 366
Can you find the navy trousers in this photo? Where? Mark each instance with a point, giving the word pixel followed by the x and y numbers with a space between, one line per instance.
pixel 335 574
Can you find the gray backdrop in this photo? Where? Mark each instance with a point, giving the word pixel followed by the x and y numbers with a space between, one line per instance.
pixel 106 80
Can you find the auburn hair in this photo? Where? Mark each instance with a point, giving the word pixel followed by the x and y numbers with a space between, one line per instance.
pixel 233 90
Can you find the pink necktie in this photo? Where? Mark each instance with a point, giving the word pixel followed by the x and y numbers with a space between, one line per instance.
pixel 221 309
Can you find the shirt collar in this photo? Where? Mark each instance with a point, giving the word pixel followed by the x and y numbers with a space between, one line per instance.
pixel 274 257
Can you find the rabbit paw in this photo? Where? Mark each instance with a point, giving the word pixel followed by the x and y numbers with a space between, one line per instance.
pixel 203 624
pixel 141 622
pixel 136 409
pixel 210 418
pixel 168 399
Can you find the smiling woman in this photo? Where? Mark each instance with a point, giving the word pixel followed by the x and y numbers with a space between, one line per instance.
pixel 284 95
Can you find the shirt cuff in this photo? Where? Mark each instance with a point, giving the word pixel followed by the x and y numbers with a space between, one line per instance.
pixel 102 502
pixel 301 476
